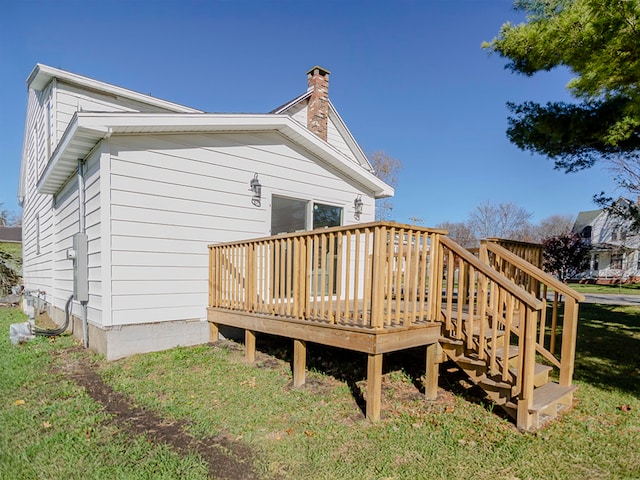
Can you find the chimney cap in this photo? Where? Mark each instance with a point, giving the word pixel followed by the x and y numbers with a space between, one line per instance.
pixel 321 71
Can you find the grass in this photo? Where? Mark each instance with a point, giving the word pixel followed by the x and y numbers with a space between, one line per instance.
pixel 14 249
pixel 317 431
pixel 52 429
pixel 625 288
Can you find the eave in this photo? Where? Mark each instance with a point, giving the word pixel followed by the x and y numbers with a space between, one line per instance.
pixel 86 130
pixel 42 75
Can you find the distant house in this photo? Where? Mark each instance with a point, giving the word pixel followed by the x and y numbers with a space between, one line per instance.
pixel 122 192
pixel 10 234
pixel 615 245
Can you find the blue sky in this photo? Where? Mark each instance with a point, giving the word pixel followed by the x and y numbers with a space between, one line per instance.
pixel 408 77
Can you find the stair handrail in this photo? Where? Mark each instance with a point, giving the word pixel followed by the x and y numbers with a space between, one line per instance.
pixel 502 280
pixel 569 330
pixel 531 311
pixel 534 271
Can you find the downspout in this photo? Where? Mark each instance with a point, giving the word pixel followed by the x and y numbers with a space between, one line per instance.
pixel 82 228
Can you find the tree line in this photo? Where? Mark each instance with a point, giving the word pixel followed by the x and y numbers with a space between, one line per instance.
pixel 505 220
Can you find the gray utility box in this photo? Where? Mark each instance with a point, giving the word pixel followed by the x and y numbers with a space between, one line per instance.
pixel 80 256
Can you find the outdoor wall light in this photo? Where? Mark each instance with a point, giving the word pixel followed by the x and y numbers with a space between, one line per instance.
pixel 357 207
pixel 256 190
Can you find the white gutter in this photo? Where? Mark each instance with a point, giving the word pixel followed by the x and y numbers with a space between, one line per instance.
pixel 86 129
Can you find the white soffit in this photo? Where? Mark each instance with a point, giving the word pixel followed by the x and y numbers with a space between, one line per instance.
pixel 87 129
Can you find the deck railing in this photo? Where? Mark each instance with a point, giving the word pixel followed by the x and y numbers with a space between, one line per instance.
pixel 531 252
pixel 372 276
pixel 557 328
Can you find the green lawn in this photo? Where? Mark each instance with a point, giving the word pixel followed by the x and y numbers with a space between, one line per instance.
pixel 626 289
pixel 15 249
pixel 318 431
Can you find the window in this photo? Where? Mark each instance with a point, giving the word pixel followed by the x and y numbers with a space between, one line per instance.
pixel 614 234
pixel 48 124
pixel 38 234
pixel 616 260
pixel 288 215
pixel 291 215
pixel 36 145
pixel 326 216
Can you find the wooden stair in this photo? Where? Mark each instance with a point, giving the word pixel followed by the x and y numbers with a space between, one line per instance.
pixel 549 398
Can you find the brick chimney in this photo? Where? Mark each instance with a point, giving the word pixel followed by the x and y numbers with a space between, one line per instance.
pixel 318 107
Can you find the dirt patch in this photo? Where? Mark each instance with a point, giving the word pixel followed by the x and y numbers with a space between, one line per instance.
pixel 225 457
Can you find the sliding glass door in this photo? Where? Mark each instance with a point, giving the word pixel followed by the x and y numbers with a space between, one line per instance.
pixel 292 215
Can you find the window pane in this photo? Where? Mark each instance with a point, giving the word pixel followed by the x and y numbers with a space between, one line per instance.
pixel 326 216
pixel 287 215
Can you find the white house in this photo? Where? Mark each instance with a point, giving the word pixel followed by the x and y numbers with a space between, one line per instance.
pixel 615 244
pixel 151 183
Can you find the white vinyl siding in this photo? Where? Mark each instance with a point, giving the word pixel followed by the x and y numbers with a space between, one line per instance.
pixel 67 225
pixel 172 195
pixel 334 138
pixel 71 99
pixel 36 214
pixel 299 113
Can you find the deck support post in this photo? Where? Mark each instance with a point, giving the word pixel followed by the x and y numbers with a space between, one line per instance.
pixel 250 346
pixel 213 332
pixel 434 358
pixel 374 386
pixel 299 362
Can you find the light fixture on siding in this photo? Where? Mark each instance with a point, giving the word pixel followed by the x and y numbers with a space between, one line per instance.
pixel 357 207
pixel 256 190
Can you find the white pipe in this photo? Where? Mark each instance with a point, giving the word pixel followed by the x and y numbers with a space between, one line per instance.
pixel 82 228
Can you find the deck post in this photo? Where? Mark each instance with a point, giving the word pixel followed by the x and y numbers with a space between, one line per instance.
pixel 374 386
pixel 249 346
pixel 434 354
pixel 299 362
pixel 213 332
pixel 569 334
pixel 524 418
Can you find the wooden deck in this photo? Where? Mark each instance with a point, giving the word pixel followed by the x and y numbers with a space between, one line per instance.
pixel 369 288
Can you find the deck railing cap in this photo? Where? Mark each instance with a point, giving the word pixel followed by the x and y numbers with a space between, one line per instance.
pixel 342 228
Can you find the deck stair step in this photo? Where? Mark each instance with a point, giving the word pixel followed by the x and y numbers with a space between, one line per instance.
pixel 548 398
pixel 471 360
pixel 450 341
pixel 540 374
pixel 495 382
pixel 488 331
pixel 514 351
pixel 551 395
pixel 548 401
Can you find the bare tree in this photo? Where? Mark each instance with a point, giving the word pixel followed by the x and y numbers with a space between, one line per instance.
pixel 386 168
pixel 9 219
pixel 460 232
pixel 505 220
pixel 554 226
pixel 4 216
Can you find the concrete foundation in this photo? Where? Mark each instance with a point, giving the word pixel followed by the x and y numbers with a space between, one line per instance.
pixel 124 340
